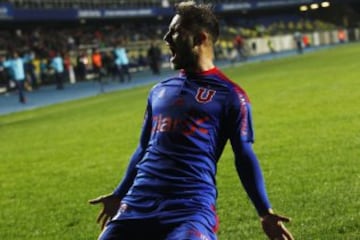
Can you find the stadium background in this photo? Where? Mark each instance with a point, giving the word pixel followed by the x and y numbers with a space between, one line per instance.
pixel 76 28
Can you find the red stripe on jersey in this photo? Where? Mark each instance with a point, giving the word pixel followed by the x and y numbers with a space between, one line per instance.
pixel 215 228
pixel 237 88
pixel 243 99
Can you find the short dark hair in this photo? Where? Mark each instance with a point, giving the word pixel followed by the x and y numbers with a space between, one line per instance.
pixel 198 17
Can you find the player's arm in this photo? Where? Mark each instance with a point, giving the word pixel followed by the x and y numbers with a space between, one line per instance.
pixel 240 132
pixel 130 174
pixel 249 171
pixel 111 202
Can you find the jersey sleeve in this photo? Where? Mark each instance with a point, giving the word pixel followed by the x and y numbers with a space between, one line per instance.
pixel 241 135
pixel 239 118
pixel 130 174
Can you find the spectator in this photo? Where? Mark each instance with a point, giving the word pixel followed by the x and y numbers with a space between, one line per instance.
pixel 30 69
pixel 109 64
pixel 97 63
pixel 16 67
pixel 69 68
pixel 306 40
pixel 57 64
pixel 154 58
pixel 270 45
pixel 298 41
pixel 239 45
pixel 341 35
pixel 122 63
pixel 81 71
pixel 98 67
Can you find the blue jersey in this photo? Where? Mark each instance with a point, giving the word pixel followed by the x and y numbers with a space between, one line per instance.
pixel 188 121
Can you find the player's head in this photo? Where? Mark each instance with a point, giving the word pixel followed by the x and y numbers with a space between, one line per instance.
pixel 15 54
pixel 194 29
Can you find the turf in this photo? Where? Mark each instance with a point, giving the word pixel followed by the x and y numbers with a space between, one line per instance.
pixel 306 116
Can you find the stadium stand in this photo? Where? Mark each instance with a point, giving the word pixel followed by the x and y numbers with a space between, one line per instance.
pixel 94 4
pixel 76 35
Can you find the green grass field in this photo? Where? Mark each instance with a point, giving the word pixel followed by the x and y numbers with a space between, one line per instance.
pixel 306 114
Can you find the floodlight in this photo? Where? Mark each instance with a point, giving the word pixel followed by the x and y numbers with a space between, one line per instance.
pixel 314 6
pixel 304 8
pixel 325 4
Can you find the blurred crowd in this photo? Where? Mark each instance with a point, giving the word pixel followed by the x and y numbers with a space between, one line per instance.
pixel 86 52
pixel 34 67
pixel 112 51
pixel 95 4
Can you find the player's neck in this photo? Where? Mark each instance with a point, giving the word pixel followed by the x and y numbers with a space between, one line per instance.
pixel 202 66
pixel 206 66
pixel 206 60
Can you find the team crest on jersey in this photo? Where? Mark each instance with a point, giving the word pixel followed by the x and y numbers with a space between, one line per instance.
pixel 204 95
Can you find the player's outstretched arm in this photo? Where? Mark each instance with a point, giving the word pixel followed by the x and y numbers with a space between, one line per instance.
pixel 274 228
pixel 111 204
pixel 252 179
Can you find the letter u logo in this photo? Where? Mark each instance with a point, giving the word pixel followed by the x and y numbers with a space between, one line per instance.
pixel 204 95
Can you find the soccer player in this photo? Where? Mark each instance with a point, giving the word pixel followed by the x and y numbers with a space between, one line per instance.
pixel 169 189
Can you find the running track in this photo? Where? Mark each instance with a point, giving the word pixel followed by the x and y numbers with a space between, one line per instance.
pixel 48 95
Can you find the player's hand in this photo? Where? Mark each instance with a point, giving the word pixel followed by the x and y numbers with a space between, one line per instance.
pixel 111 204
pixel 274 228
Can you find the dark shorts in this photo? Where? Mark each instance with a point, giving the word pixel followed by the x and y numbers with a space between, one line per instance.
pixel 153 229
